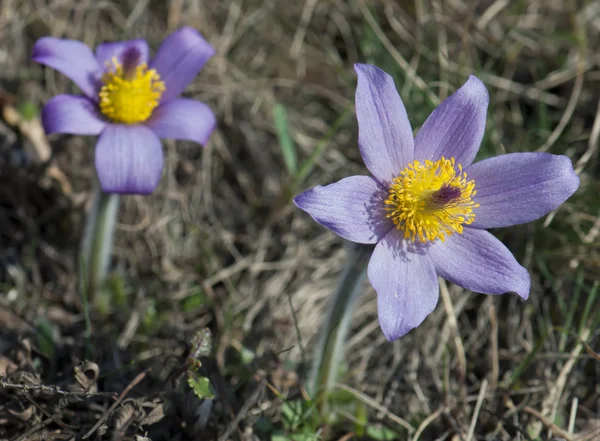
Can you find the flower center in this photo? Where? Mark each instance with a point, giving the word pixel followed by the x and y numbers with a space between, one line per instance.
pixel 432 200
pixel 130 94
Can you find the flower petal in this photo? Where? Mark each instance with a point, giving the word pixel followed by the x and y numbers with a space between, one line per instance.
pixel 137 49
pixel 476 260
pixel 76 115
pixel 179 59
pixel 384 134
pixel 352 208
pixel 183 119
pixel 455 129
pixel 406 284
pixel 520 187
pixel 129 159
pixel 72 58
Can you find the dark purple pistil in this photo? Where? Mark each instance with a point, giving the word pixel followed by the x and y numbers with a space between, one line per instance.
pixel 445 195
pixel 131 58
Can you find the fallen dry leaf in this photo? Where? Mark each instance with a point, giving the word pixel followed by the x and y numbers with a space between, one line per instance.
pixel 38 149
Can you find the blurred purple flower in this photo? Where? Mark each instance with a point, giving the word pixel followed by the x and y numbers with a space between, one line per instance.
pixel 129 101
pixel 427 206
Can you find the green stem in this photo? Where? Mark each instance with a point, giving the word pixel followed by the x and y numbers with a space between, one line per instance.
pixel 329 352
pixel 97 241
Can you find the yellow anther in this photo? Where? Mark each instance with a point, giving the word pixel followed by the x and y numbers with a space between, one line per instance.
pixel 431 200
pixel 130 97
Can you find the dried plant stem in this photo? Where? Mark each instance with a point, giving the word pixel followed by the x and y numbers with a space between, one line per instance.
pixel 97 241
pixel 329 352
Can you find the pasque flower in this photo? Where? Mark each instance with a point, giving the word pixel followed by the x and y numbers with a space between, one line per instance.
pixel 130 101
pixel 427 206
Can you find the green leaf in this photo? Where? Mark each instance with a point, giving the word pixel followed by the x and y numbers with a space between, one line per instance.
pixel 194 301
pixel 591 300
pixel 381 433
pixel 299 414
pixel 28 110
pixel 44 337
pixel 288 149
pixel 247 355
pixel 304 436
pixel 291 413
pixel 361 413
pixel 201 387
pixel 118 290
pixel 150 315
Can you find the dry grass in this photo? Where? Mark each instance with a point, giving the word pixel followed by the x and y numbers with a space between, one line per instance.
pixel 219 244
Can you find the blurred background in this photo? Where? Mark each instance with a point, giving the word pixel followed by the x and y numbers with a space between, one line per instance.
pixel 219 270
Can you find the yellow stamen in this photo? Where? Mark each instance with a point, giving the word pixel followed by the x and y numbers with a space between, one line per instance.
pixel 432 200
pixel 130 97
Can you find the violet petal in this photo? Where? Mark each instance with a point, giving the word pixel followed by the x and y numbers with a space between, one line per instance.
pixel 455 129
pixel 384 134
pixel 520 187
pixel 122 51
pixel 179 59
pixel 76 115
pixel 353 208
pixel 183 118
pixel 406 285
pixel 129 159
pixel 73 59
pixel 476 260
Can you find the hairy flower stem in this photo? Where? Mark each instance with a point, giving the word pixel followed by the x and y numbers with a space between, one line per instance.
pixel 97 241
pixel 329 352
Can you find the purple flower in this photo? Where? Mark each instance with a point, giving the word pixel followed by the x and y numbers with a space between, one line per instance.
pixel 427 206
pixel 130 101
